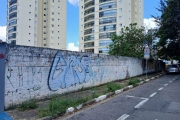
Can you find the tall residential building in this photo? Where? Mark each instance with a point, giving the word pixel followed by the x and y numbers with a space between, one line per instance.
pixel 100 18
pixel 40 23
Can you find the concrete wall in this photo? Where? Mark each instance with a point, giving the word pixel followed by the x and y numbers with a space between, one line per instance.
pixel 39 72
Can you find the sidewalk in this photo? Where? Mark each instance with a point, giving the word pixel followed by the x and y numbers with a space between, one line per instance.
pixel 93 92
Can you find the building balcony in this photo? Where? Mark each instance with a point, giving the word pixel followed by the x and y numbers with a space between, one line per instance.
pixel 12 2
pixel 13 9
pixel 89 31
pixel 102 1
pixel 89 4
pixel 88 18
pixel 107 7
pixel 89 38
pixel 87 25
pixel 12 22
pixel 107 21
pixel 89 11
pixel 12 15
pixel 107 14
pixel 12 36
pixel 12 29
pixel 107 29
pixel 105 35
pixel 86 1
pixel 89 44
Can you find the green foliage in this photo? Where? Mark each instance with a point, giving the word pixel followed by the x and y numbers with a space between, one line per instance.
pixel 169 23
pixel 133 82
pixel 27 105
pixel 113 87
pixel 60 105
pixel 130 42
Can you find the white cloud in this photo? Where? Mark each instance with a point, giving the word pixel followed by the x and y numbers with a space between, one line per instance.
pixel 149 23
pixel 71 47
pixel 74 2
pixel 3 33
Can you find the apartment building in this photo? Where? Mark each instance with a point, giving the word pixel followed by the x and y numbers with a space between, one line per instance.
pixel 98 19
pixel 40 23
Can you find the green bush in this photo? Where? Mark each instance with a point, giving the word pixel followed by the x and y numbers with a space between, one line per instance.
pixel 113 87
pixel 133 82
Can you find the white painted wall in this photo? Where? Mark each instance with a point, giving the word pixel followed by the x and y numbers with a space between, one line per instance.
pixel 39 72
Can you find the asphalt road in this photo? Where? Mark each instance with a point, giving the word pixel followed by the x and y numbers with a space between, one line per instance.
pixel 156 100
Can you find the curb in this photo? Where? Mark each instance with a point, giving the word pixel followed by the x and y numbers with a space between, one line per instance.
pixel 100 98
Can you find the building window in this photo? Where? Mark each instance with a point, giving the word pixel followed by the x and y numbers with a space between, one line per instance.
pixel 107 13
pixel 12 29
pixel 107 6
pixel 12 2
pixel 89 44
pixel 12 15
pixel 11 36
pixel 13 8
pixel 12 22
pixel 52 19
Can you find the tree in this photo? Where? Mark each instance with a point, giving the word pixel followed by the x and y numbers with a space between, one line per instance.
pixel 169 30
pixel 131 42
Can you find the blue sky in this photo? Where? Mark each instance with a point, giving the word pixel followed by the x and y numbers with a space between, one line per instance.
pixel 73 17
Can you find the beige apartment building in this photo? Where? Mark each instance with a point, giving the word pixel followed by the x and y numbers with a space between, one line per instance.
pixel 40 23
pixel 98 19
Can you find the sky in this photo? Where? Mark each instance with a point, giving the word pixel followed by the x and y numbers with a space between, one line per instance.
pixel 73 20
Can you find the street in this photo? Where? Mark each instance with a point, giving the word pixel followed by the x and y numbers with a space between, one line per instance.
pixel 156 100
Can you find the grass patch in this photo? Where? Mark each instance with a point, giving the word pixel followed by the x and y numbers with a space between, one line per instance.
pixel 95 94
pixel 60 105
pixel 27 105
pixel 133 82
pixel 113 87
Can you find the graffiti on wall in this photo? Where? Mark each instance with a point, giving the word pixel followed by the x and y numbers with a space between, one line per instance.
pixel 72 71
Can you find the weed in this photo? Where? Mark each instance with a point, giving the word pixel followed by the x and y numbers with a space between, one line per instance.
pixel 133 82
pixel 27 105
pixel 95 94
pixel 82 88
pixel 113 87
pixel 60 105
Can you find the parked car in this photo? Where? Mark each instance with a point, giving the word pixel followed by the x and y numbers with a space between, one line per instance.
pixel 174 68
